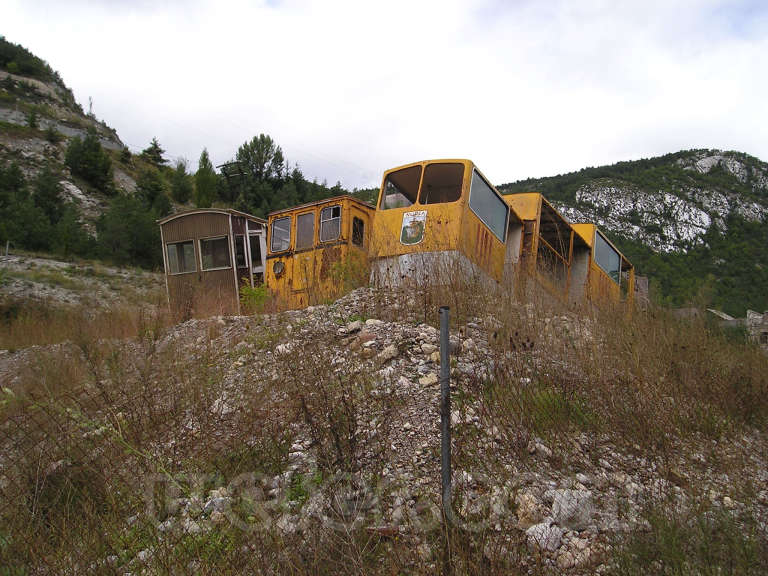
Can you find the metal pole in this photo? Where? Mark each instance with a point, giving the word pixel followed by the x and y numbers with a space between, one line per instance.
pixel 445 411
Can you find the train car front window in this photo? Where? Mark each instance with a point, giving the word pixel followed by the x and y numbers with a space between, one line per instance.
pixel 442 183
pixel 401 188
pixel 607 258
pixel 281 234
pixel 488 206
pixel 330 223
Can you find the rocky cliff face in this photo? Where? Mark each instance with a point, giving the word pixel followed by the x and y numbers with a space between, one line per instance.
pixel 675 218
pixel 37 119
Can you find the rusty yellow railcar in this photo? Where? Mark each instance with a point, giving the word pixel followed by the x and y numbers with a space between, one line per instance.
pixel 318 250
pixel 545 244
pixel 605 274
pixel 436 219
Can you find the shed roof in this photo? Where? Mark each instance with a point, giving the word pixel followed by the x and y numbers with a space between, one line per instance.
pixel 231 211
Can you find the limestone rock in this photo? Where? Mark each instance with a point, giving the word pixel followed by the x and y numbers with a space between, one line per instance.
pixel 544 536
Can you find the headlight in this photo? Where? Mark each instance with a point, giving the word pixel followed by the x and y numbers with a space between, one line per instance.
pixel 278 268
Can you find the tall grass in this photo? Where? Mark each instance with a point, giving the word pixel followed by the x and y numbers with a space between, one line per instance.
pixel 99 438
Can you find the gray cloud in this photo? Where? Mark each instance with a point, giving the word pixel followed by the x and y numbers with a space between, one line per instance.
pixel 350 89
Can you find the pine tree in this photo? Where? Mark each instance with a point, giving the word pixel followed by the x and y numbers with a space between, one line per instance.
pixel 154 153
pixel 181 183
pixel 205 182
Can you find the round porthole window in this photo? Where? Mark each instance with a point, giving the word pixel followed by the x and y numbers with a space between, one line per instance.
pixel 278 268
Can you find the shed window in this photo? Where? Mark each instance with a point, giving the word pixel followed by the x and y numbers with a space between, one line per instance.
pixel 330 223
pixel 305 231
pixel 442 183
pixel 358 231
pixel 764 338
pixel 214 253
pixel 181 257
pixel 281 234
pixel 401 188
pixel 240 252
pixel 488 206
pixel 607 258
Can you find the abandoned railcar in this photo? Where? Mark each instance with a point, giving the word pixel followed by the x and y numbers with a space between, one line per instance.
pixel 436 219
pixel 208 254
pixel 318 250
pixel 608 275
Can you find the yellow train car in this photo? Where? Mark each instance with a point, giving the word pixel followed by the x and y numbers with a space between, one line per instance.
pixel 547 243
pixel 435 219
pixel 318 250
pixel 604 273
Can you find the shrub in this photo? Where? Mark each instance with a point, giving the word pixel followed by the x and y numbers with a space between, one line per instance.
pixel 88 160
pixel 253 299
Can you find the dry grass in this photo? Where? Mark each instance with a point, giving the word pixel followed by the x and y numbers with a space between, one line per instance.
pixel 121 407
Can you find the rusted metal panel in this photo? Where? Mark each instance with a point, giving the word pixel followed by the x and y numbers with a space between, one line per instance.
pixel 203 293
pixel 201 225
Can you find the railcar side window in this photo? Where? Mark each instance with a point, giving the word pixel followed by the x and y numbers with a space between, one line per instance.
pixel 330 223
pixel 214 253
pixel 305 231
pixel 181 257
pixel 281 234
pixel 442 183
pixel 358 231
pixel 401 188
pixel 607 258
pixel 488 206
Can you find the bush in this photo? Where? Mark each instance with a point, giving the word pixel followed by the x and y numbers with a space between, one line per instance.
pixel 253 299
pixel 88 160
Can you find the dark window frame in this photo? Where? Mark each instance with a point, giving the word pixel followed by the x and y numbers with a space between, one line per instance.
pixel 213 239
pixel 358 234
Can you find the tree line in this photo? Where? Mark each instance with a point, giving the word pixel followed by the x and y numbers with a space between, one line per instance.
pixel 34 214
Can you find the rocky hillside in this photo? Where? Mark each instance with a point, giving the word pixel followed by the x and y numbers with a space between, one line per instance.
pixel 695 221
pixel 38 118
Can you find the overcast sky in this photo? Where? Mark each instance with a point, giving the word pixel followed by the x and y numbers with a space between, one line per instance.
pixel 349 89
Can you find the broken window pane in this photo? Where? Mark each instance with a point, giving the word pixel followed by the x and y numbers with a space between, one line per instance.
pixel 442 183
pixel 401 188
pixel 330 223
pixel 358 231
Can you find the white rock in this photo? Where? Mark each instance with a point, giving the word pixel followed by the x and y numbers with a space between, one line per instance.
pixel 544 536
pixel 388 353
pixel 355 326
pixel 429 379
pixel 572 508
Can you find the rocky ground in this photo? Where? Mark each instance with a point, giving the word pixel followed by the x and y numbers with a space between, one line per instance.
pixel 561 503
pixel 54 282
